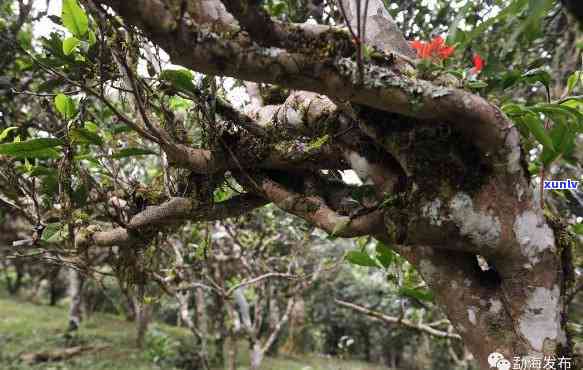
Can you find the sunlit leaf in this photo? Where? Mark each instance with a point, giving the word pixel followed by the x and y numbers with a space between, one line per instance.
pixel 34 148
pixel 74 18
pixel 54 233
pixel 419 294
pixel 70 44
pixel 65 105
pixel 536 128
pixel 360 259
pixel 575 79
pixel 6 131
pixel 385 254
pixel 180 79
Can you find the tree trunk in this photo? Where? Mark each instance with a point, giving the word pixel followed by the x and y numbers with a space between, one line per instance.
pixel 13 285
pixel 76 282
pixel 295 342
pixel 256 356
pixel 143 316
pixel 230 350
pixel 129 306
pixel 54 286
pixel 201 322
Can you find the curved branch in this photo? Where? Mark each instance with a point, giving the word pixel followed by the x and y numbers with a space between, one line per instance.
pixel 203 161
pixel 173 211
pixel 315 210
pixel 319 71
pixel 421 327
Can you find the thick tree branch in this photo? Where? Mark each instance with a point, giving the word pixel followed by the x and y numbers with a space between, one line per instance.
pixel 314 209
pixel 173 211
pixel 205 161
pixel 317 71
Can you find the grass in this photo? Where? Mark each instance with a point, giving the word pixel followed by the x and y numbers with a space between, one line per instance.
pixel 28 327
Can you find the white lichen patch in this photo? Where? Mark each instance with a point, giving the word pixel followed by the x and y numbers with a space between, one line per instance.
pixel 427 269
pixel 360 165
pixel 533 235
pixel 431 211
pixel 472 315
pixel 454 285
pixel 519 192
pixel 513 157
pixel 438 93
pixel 482 228
pixel 468 102
pixel 269 52
pixel 495 306
pixel 540 319
pixel 293 117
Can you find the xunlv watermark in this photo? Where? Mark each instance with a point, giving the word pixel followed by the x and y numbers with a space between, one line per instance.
pixel 497 361
pixel 560 184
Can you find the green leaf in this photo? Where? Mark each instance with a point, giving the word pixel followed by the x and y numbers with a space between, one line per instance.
pixel 560 111
pixel 35 148
pixel 54 232
pixel 120 128
pixel 132 152
pixel 92 38
pixel 180 79
pixel 548 156
pixel 6 131
pixel 575 79
pixel 38 171
pixel 84 136
pixel 179 103
pixel 66 106
pixel 385 254
pixel 578 229
pixel 318 142
pixel 422 295
pixel 510 78
pixel 70 44
pixel 91 126
pixel 514 110
pixel 476 84
pixel 563 139
pixel 360 259
pixel 536 128
pixel 74 18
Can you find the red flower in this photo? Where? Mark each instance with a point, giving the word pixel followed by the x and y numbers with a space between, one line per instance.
pixel 478 64
pixel 446 52
pixel 436 49
pixel 419 46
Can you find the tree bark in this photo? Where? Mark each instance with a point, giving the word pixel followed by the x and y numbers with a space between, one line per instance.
pixel 76 282
pixel 143 315
pixel 201 320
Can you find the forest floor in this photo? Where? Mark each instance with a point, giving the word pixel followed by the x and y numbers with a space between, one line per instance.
pixel 107 342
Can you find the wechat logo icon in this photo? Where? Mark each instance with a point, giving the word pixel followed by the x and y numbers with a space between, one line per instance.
pixel 497 361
